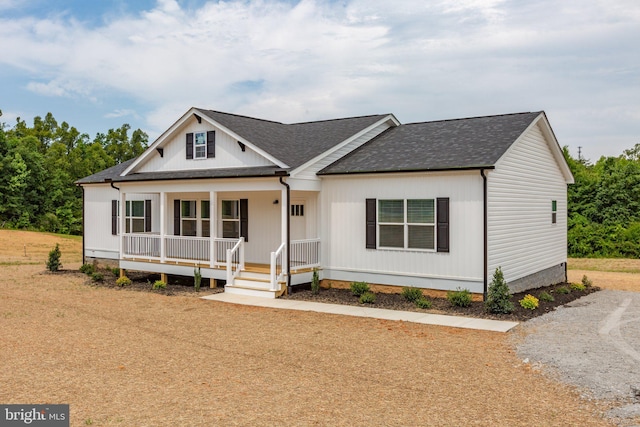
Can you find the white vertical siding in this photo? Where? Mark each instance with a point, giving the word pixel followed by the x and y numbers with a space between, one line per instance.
pixel 228 152
pixel 310 171
pixel 521 238
pixel 97 227
pixel 343 225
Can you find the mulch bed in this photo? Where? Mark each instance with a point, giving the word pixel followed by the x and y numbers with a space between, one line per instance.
pixel 443 306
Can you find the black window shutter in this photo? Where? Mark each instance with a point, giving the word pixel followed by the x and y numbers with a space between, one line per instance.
pixel 176 217
pixel 443 224
pixel 114 217
pixel 190 146
pixel 244 219
pixel 211 144
pixel 371 224
pixel 147 216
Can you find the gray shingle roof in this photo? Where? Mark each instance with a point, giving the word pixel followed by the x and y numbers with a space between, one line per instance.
pixel 441 145
pixel 111 173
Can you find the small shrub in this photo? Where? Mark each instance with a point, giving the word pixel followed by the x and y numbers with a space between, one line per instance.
pixel 123 281
pixel 87 269
pixel 459 297
pixel 412 294
pixel 367 298
pixel 97 277
pixel 359 288
pixel 159 284
pixel 586 281
pixel 315 282
pixel 197 279
pixel 578 287
pixel 423 303
pixel 115 271
pixel 562 290
pixel 529 301
pixel 546 296
pixel 498 297
pixel 53 263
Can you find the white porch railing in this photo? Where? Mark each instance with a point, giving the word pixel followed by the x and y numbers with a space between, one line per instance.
pixel 187 248
pixel 221 246
pixel 305 254
pixel 142 245
pixel 235 260
pixel 276 271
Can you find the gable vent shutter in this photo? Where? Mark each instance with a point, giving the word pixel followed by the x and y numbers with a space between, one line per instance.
pixel 190 146
pixel 244 219
pixel 371 223
pixel 211 144
pixel 176 217
pixel 114 217
pixel 443 224
pixel 147 216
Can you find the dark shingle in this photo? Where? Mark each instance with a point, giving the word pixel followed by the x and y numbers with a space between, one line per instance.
pixel 440 145
pixel 111 173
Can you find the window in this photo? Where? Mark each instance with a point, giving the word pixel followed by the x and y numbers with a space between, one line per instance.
pixel 205 213
pixel 230 219
pixel 134 217
pixel 554 211
pixel 189 221
pixel 297 210
pixel 200 145
pixel 406 223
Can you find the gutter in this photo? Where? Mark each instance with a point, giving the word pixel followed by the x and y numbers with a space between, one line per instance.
pixel 485 234
pixel 281 175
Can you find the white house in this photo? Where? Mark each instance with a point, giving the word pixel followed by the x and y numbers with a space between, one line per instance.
pixel 259 204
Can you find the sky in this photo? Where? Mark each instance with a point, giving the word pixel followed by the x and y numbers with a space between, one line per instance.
pixel 98 64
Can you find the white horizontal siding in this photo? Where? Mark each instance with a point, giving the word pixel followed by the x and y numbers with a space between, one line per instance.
pixel 97 212
pixel 310 171
pixel 343 225
pixel 228 152
pixel 522 240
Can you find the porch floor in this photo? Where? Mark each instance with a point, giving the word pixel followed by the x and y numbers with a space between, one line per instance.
pixel 249 266
pixel 376 313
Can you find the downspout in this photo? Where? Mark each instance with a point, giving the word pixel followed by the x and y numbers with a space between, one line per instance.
pixel 288 243
pixel 485 227
pixel 84 261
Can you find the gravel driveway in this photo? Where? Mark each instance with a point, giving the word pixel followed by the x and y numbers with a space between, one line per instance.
pixel 593 343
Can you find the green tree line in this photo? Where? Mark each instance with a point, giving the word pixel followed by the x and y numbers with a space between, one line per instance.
pixel 39 165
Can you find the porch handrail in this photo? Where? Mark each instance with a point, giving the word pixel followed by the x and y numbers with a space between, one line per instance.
pixel 276 266
pixel 235 260
pixel 305 254
pixel 141 244
pixel 187 248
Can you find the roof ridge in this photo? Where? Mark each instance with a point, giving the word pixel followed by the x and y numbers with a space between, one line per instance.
pixel 240 115
pixel 341 118
pixel 474 117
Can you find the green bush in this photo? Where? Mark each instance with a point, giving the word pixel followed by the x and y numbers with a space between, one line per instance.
pixel 87 269
pixel 97 277
pixel 562 290
pixel 423 303
pixel 359 288
pixel 115 271
pixel 459 297
pixel 412 294
pixel 529 301
pixel 367 298
pixel 546 296
pixel 53 263
pixel 315 282
pixel 578 287
pixel 498 297
pixel 123 281
pixel 197 279
pixel 159 284
pixel 586 281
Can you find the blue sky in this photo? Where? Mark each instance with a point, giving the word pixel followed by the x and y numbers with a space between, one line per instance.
pixel 98 63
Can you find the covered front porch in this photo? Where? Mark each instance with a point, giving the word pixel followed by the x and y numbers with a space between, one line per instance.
pixel 256 240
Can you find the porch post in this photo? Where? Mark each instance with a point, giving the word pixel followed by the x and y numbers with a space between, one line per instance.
pixel 121 221
pixel 284 218
pixel 163 225
pixel 213 227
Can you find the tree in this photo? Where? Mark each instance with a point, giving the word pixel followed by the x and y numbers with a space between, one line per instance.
pixel 498 297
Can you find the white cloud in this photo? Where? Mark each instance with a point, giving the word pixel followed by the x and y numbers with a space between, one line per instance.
pixel 120 113
pixel 322 59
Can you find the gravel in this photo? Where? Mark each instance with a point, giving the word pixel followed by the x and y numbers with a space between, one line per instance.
pixel 592 343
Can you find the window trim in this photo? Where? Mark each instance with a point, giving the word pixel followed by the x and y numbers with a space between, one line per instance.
pixel 406 225
pixel 129 217
pixel 554 211
pixel 193 218
pixel 236 219
pixel 199 143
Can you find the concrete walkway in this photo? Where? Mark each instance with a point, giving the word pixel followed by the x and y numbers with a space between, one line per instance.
pixel 376 313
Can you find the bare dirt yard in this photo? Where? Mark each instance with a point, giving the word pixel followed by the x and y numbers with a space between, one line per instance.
pixel 126 358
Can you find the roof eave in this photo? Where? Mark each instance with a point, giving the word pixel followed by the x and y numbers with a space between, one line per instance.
pixel 422 170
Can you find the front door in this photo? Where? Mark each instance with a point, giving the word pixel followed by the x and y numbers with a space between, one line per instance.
pixel 298 220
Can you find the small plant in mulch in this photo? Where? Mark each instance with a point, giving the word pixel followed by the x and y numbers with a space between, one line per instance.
pixel 411 294
pixel 498 297
pixel 459 297
pixel 529 302
pixel 315 282
pixel 97 277
pixel 424 303
pixel 159 284
pixel 197 279
pixel 53 263
pixel 563 290
pixel 359 288
pixel 123 281
pixel 368 298
pixel 115 271
pixel 586 281
pixel 546 297
pixel 87 269
pixel 578 287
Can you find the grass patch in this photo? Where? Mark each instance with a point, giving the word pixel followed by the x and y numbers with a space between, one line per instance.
pixel 613 265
